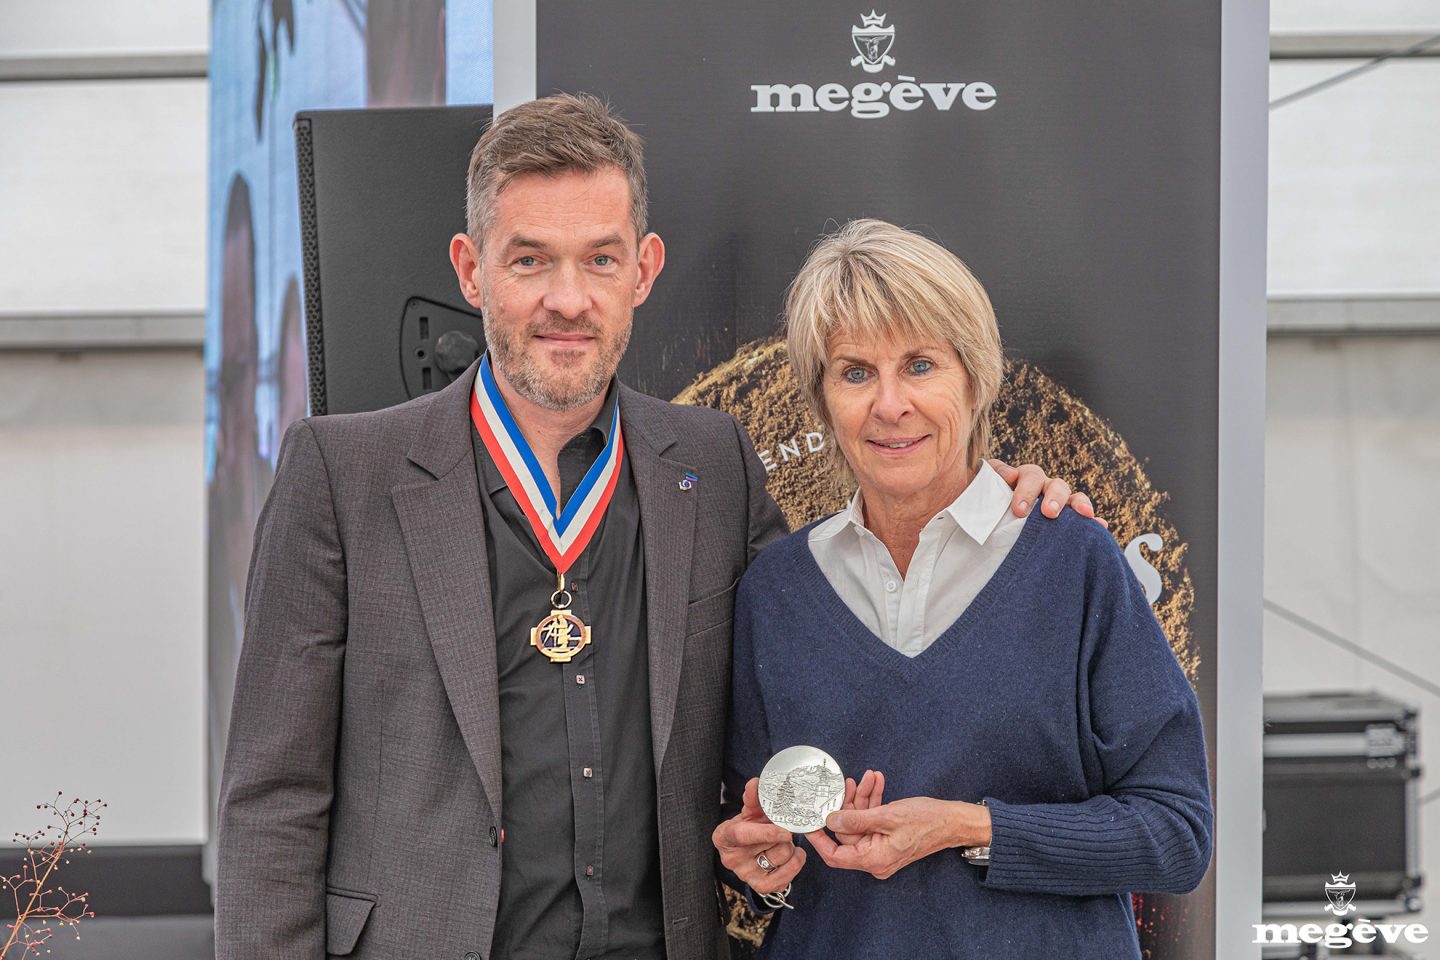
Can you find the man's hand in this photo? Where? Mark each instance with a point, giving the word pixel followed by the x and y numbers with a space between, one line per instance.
pixel 743 838
pixel 884 839
pixel 1029 482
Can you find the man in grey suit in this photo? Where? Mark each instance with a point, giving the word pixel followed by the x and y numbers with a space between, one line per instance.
pixel 428 758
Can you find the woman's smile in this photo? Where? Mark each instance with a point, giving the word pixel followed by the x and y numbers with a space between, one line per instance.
pixel 897 446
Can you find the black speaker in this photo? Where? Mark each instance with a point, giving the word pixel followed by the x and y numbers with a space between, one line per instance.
pixel 381 194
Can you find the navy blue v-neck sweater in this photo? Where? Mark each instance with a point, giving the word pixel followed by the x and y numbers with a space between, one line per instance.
pixel 1055 697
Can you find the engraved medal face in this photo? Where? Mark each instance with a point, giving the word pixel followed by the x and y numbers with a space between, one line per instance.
pixel 560 636
pixel 800 787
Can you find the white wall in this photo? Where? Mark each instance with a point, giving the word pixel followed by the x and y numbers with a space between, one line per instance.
pixel 104 196
pixel 1353 418
pixel 1352 450
pixel 1355 180
pixel 101 583
pixel 1350 16
pixel 68 27
pixel 102 238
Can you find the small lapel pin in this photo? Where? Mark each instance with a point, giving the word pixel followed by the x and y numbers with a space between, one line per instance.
pixel 688 481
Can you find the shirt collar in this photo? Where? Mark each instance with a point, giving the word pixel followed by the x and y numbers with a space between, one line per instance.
pixel 607 411
pixel 981 506
pixel 851 518
pixel 495 480
pixel 978 510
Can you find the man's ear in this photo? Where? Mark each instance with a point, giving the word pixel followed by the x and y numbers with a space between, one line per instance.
pixel 465 258
pixel 652 261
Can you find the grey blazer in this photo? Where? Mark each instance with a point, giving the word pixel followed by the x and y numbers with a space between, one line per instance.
pixel 360 802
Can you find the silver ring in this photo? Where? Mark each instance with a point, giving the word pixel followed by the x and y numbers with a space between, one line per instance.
pixel 763 862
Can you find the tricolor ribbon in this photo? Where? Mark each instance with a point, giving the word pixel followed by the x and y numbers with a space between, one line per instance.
pixel 563 534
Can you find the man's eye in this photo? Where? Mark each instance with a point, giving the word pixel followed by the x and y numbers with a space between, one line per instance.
pixel 921 366
pixel 527 261
pixel 604 260
pixel 854 375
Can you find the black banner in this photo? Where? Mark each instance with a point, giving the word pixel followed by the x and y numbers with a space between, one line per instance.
pixel 1068 153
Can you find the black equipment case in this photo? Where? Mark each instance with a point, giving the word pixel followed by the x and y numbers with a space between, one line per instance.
pixel 1340 798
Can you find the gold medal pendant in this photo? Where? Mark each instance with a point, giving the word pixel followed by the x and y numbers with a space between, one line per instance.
pixel 561 535
pixel 561 635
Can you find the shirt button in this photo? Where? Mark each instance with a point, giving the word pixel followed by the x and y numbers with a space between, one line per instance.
pixel 890 586
pixel 580 679
pixel 494 837
pixel 587 773
pixel 589 871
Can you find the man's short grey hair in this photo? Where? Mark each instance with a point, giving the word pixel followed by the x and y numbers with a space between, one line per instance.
pixel 560 134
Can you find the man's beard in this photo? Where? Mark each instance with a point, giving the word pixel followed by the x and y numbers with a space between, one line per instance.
pixel 522 372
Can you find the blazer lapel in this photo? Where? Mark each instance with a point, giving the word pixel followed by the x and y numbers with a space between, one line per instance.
pixel 443 526
pixel 667 517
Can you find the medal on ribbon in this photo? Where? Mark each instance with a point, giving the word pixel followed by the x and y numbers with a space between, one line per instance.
pixel 562 533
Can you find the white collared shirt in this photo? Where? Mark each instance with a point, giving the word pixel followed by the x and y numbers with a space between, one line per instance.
pixel 959 551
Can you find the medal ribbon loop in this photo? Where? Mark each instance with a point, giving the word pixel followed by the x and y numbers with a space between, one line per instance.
pixel 563 533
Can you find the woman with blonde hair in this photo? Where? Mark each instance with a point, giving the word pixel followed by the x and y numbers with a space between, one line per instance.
pixel 1032 752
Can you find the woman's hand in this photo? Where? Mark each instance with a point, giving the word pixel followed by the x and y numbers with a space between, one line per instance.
pixel 869 792
pixel 749 834
pixel 887 837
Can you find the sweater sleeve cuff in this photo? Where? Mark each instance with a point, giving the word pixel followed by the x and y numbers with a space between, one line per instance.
pixel 1033 847
pixel 1075 849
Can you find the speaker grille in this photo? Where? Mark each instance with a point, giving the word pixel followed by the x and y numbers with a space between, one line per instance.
pixel 310 252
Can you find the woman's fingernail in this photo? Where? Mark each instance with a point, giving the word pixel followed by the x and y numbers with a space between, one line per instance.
pixel 1024 505
pixel 1054 505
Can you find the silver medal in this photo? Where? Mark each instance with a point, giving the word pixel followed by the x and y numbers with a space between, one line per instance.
pixel 800 787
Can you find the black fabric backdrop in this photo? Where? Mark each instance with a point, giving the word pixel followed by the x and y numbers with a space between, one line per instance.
pixel 1086 198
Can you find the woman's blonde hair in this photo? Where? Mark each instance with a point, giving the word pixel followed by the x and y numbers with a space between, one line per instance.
pixel 875 280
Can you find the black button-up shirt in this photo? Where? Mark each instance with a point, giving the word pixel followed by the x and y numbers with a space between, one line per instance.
pixel 580 859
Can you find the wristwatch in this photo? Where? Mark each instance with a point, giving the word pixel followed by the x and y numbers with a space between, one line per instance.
pixel 980 856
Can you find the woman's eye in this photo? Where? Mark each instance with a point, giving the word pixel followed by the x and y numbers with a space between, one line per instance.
pixel 854 375
pixel 921 366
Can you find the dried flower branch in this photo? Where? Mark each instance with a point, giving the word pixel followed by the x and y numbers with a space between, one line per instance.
pixel 40 908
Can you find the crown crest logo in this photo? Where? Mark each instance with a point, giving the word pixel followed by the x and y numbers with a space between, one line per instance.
pixel 1341 894
pixel 872 40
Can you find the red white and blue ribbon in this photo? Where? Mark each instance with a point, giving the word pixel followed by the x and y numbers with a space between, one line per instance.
pixel 563 533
